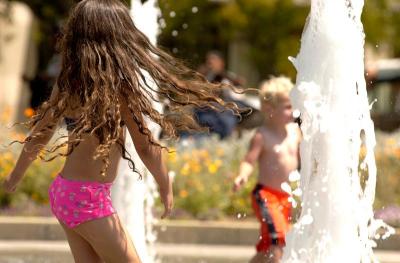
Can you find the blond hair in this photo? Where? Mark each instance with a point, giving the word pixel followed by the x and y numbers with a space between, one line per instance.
pixel 272 90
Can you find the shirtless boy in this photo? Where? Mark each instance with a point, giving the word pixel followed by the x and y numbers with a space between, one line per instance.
pixel 275 147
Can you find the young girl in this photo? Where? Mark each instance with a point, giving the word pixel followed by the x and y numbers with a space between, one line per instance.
pixel 103 86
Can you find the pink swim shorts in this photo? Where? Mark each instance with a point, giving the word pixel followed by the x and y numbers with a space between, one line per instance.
pixel 76 202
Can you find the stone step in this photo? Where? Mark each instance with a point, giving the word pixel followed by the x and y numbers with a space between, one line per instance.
pixel 38 251
pixel 241 233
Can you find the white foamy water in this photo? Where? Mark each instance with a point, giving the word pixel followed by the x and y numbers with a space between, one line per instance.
pixel 336 222
pixel 134 198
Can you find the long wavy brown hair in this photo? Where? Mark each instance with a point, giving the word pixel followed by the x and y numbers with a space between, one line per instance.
pixel 106 59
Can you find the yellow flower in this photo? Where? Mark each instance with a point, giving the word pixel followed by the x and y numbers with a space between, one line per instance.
pixel 172 156
pixel 183 193
pixel 212 168
pixel 391 142
pixel 185 170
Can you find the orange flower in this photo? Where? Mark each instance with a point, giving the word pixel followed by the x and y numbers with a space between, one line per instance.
pixel 183 193
pixel 29 112
pixel 397 153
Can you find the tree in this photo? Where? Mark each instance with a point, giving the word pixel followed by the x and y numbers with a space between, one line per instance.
pixel 272 27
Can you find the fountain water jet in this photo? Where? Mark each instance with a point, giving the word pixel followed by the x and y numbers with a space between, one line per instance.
pixel 336 223
pixel 134 198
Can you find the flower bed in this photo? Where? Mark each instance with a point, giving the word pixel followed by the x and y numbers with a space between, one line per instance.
pixel 203 170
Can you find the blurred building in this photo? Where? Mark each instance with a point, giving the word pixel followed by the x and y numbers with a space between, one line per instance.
pixel 18 58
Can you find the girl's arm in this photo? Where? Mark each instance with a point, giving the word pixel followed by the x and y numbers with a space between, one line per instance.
pixel 30 150
pixel 152 157
pixel 247 165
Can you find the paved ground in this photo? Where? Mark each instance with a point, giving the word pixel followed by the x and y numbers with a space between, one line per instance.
pixel 58 252
pixel 41 240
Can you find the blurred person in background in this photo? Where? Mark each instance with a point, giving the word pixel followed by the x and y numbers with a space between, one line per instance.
pixel 222 123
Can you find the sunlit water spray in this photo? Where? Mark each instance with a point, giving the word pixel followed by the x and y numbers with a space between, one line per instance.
pixel 336 223
pixel 134 198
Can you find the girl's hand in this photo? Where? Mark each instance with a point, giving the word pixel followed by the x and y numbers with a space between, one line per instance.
pixel 167 198
pixel 10 184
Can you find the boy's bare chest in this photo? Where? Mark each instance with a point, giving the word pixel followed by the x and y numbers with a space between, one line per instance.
pixel 280 147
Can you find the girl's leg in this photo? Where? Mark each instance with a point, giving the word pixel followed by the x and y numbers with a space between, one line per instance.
pixel 82 251
pixel 109 239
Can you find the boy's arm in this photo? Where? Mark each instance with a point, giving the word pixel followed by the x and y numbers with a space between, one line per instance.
pixel 31 149
pixel 247 165
pixel 152 157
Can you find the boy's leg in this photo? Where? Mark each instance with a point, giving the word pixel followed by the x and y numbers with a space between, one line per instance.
pixel 274 255
pixel 82 251
pixel 109 239
pixel 259 257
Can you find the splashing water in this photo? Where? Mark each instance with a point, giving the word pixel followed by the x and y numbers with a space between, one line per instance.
pixel 134 198
pixel 336 223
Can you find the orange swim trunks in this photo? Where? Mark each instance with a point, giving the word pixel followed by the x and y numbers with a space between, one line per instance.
pixel 273 210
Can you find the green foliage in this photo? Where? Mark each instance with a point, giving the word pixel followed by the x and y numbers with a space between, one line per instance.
pixel 198 26
pixel 272 27
pixel 387 157
pixel 33 188
pixel 204 176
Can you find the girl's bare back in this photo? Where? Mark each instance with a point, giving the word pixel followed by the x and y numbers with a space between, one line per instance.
pixel 80 165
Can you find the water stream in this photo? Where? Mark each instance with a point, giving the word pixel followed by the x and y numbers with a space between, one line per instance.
pixel 336 223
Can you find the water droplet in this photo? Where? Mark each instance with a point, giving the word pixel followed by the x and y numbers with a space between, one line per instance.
pixel 175 33
pixel 286 187
pixel 294 176
pixel 297 192
pixel 163 24
pixel 306 220
pixel 185 26
pixel 175 50
pixel 239 215
pixel 172 14
pixel 195 9
pixel 296 113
